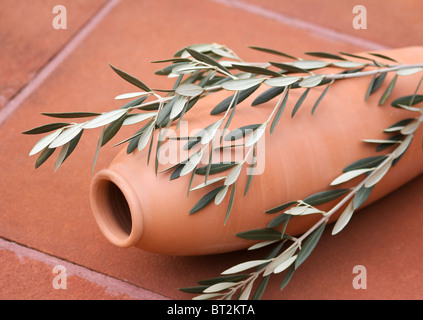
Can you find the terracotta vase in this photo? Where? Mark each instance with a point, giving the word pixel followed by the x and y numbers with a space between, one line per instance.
pixel 134 207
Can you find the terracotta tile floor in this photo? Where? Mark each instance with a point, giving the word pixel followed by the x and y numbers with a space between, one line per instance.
pixel 45 217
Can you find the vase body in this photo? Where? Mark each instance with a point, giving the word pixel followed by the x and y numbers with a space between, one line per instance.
pixel 134 207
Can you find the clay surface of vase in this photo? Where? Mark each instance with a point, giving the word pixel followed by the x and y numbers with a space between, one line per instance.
pixel 134 207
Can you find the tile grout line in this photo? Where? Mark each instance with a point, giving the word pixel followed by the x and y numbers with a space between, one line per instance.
pixel 54 62
pixel 112 285
pixel 315 29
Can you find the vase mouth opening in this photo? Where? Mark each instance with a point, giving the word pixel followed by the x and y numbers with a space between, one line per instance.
pixel 116 209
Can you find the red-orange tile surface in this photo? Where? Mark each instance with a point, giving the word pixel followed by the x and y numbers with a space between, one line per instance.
pixel 51 211
pixel 391 23
pixel 24 278
pixel 28 39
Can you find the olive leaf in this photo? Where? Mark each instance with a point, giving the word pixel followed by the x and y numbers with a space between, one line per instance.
pixel 216 167
pixel 46 128
pixel 267 95
pixel 365 163
pixel 272 51
pixel 132 80
pixel 70 114
pixel 309 245
pixel 226 103
pixel 255 69
pixel 205 200
pixel 204 58
pixel 324 55
pixel 325 196
pixel 260 234
pixel 299 102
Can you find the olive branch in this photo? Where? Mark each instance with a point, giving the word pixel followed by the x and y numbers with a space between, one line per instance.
pixel 204 69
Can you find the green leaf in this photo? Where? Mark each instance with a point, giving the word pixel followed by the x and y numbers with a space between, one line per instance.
pixel 408 100
pixel 132 80
pixel 204 58
pixel 66 150
pixel 289 67
pixel 355 56
pixel 241 132
pixel 388 90
pixel 255 69
pixel 397 126
pixel 70 114
pixel 316 104
pixel 224 105
pixel 43 156
pixel 197 289
pixel 261 288
pixel 279 220
pixel 46 128
pixel 260 234
pixel 271 51
pixel 250 173
pixel 206 200
pixel 361 196
pixel 375 83
pixel 280 110
pixel 299 102
pixel 241 84
pixel 325 55
pixel 267 95
pixel 133 141
pixel 309 245
pixel 216 167
pixel 383 57
pixel 177 172
pixel 281 207
pixel 231 203
pixel 228 278
pixel 369 88
pixel 287 277
pixel 325 196
pixel 112 129
pixel 365 163
pixel 97 151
